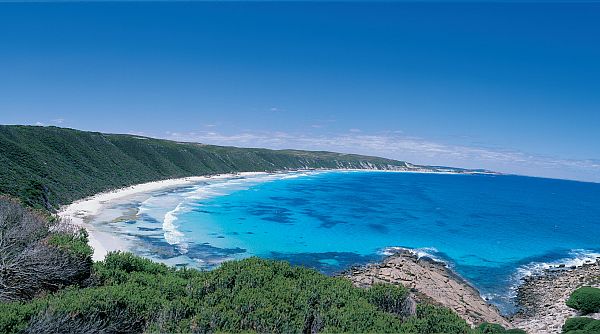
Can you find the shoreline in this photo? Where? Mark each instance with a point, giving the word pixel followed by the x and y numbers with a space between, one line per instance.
pixel 542 297
pixel 429 281
pixel 81 211
pixel 441 285
pixel 103 240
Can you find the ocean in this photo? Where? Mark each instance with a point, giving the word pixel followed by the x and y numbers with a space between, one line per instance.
pixel 491 229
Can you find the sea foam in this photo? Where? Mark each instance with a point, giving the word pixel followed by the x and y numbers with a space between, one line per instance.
pixel 172 235
pixel 575 258
pixel 424 252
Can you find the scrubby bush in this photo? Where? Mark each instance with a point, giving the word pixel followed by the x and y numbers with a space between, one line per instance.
pixel 488 328
pixel 593 327
pixel 36 255
pixel 132 294
pixel 391 298
pixel 581 325
pixel 576 323
pixel 74 242
pixel 585 299
pixel 434 319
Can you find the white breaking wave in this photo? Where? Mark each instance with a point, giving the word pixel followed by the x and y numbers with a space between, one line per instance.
pixel 424 252
pixel 172 235
pixel 576 258
pixel 175 237
pixel 296 175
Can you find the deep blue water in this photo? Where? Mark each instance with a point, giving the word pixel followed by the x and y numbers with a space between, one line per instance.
pixel 491 229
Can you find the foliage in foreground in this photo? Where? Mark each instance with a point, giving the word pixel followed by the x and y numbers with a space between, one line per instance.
pixel 488 328
pixel 131 294
pixel 49 285
pixel 585 299
pixel 37 256
pixel 581 325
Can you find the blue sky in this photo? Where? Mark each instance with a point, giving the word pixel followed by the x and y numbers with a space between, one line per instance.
pixel 513 87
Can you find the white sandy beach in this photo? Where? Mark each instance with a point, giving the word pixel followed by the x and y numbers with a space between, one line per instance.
pixel 80 212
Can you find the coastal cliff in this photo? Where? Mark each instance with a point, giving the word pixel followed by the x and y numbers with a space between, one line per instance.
pixel 429 281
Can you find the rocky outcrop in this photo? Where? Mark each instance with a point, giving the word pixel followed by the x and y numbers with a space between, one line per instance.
pixel 542 297
pixel 429 281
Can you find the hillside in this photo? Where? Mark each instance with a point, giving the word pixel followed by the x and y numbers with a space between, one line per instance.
pixel 48 166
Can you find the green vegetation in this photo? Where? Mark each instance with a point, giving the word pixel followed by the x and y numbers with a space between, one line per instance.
pixel 487 328
pixel 389 298
pixel 48 166
pixel 585 299
pixel 576 323
pixel 37 256
pixel 75 243
pixel 581 325
pixel 129 293
pixel 49 283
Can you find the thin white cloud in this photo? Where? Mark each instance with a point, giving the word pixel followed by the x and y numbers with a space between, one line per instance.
pixel 395 145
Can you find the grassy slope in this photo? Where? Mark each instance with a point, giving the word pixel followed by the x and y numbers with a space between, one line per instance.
pixel 48 166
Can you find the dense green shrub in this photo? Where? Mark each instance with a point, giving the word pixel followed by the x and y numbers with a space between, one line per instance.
pixel 585 299
pixel 37 256
pixel 15 316
pixel 132 294
pixel 581 325
pixel 74 242
pixel 593 327
pixel 389 298
pixel 488 328
pixel 576 323
pixel 433 319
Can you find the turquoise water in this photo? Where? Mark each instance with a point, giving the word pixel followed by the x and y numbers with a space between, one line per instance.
pixel 491 229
